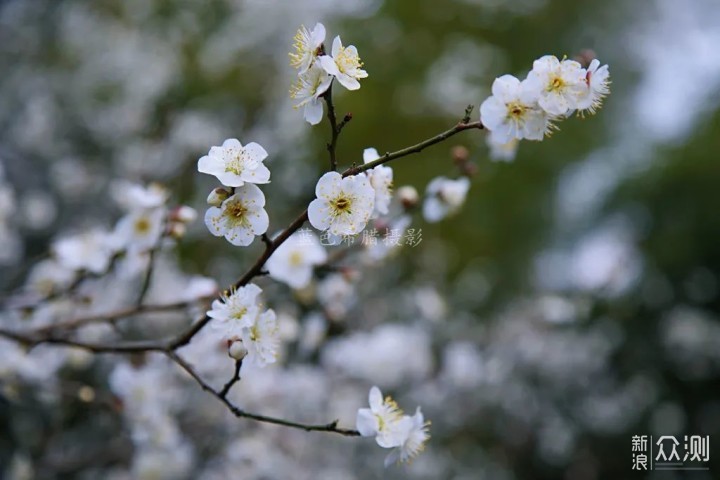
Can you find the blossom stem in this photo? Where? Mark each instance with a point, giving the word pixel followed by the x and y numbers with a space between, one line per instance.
pixel 334 129
pixel 235 378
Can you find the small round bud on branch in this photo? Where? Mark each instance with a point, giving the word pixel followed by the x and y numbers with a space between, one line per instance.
pixel 408 196
pixel 183 214
pixel 217 197
pixel 237 349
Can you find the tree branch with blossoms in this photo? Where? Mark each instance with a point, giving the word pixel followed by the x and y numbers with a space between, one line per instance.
pixel 344 204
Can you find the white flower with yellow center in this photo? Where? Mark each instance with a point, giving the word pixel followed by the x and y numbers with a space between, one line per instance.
pixel 381 420
pixel 344 64
pixel 140 230
pixel 343 205
pixel 308 89
pixel 513 112
pixel 234 164
pixel 91 250
pixel 307 45
pixel 294 261
pixel 381 180
pixel 414 433
pixel 241 216
pixel 262 339
pixel 236 310
pixel 597 81
pixel 444 197
pixel 560 84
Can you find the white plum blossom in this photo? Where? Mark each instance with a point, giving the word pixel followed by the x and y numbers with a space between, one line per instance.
pixel 597 80
pixel 241 217
pixel 91 250
pixel 344 64
pixel 293 262
pixel 560 84
pixel 381 420
pixel 132 196
pixel 501 150
pixel 414 433
pixel 307 45
pixel 236 310
pixel 234 164
pixel 444 197
pixel 307 91
pixel 140 230
pixel 343 205
pixel 513 111
pixel 48 276
pixel 262 338
pixel 381 180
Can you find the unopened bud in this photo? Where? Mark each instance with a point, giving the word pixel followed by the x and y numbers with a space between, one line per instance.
pixel 183 214
pixel 460 154
pixel 217 197
pixel 177 230
pixel 237 350
pixel 408 196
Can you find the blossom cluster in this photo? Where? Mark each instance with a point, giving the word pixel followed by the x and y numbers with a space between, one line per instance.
pixel 529 109
pixel 317 69
pixel 251 331
pixel 385 421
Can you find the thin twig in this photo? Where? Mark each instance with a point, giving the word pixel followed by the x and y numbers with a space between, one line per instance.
pixel 334 130
pixel 235 378
pixel 327 427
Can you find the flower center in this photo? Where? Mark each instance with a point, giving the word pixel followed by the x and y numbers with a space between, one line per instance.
pixel 556 84
pixel 516 110
pixel 296 259
pixel 342 205
pixel 142 226
pixel 237 162
pixel 237 213
pixel 347 62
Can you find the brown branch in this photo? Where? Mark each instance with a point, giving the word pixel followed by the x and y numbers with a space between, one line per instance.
pixel 334 130
pixel 235 378
pixel 328 427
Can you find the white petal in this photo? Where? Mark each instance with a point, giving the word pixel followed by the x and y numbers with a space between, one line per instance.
pixel 240 236
pixel 392 457
pixel 505 88
pixel 211 165
pixel 370 154
pixel 232 143
pixel 255 152
pixel 347 81
pixel 215 221
pixel 318 214
pixel 313 112
pixel 328 64
pixel 230 179
pixel 318 34
pixel 250 194
pixel 366 423
pixel 259 221
pixel 375 399
pixel 434 210
pixel 336 46
pixel 261 174
pixel 328 184
pixel 492 112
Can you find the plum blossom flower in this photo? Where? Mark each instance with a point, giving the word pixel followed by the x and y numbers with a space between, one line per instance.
pixel 91 250
pixel 262 338
pixel 343 205
pixel 344 64
pixel 560 84
pixel 444 197
pixel 293 262
pixel 140 230
pixel 234 165
pixel 513 112
pixel 240 217
pixel 132 196
pixel 236 310
pixel 308 89
pixel 381 420
pixel 414 433
pixel 381 180
pixel 307 45
pixel 597 80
